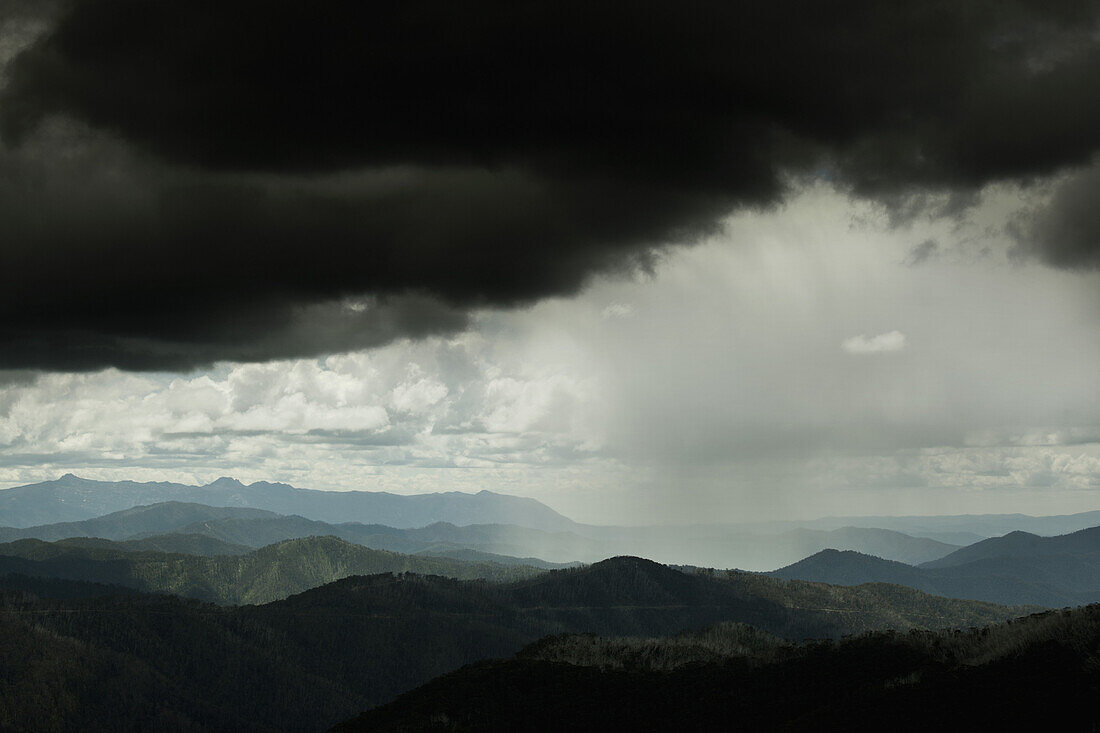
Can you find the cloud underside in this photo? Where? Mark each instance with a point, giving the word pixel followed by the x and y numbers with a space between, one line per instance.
pixel 187 183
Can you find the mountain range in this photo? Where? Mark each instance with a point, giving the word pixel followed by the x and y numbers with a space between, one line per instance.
pixel 445 533
pixel 71 498
pixel 282 621
pixel 586 545
pixel 259 576
pixel 87 661
pixel 261 513
pixel 957 529
pixel 1017 568
pixel 1024 568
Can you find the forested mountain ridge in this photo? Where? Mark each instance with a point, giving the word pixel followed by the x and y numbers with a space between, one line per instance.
pixel 624 591
pixel 846 567
pixel 262 575
pixel 505 525
pixel 1020 675
pixel 144 519
pixel 171 542
pixel 257 528
pixel 1017 568
pixel 325 654
pixel 1023 545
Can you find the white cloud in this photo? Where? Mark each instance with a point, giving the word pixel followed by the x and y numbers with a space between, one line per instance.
pixel 438 414
pixel 618 310
pixel 880 344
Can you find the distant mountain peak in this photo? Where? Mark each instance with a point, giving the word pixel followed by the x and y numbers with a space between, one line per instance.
pixel 225 482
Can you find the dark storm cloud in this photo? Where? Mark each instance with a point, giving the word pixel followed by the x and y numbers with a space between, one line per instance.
pixel 147 269
pixel 230 173
pixel 1066 232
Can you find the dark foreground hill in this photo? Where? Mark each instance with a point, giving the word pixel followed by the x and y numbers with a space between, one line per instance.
pixel 1017 568
pixel 311 660
pixel 1028 674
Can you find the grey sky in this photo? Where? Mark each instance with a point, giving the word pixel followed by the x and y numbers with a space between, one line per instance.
pixel 723 385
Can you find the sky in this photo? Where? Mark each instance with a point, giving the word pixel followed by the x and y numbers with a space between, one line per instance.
pixel 698 262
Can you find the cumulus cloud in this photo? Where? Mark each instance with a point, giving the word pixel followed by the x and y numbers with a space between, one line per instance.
pixel 165 209
pixel 989 470
pixel 418 405
pixel 880 344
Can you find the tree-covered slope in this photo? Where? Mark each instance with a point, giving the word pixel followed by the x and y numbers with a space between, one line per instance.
pixel 171 542
pixel 312 659
pixel 263 575
pixel 875 606
pixel 153 663
pixel 851 568
pixel 1028 674
pixel 1023 545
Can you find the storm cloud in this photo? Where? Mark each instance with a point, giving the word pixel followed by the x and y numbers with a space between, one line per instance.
pixel 1066 231
pixel 183 183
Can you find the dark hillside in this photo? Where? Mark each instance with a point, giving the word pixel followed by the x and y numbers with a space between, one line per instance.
pixel 1022 675
pixel 852 568
pixel 322 655
pixel 1018 568
pixel 1023 545
pixel 263 575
